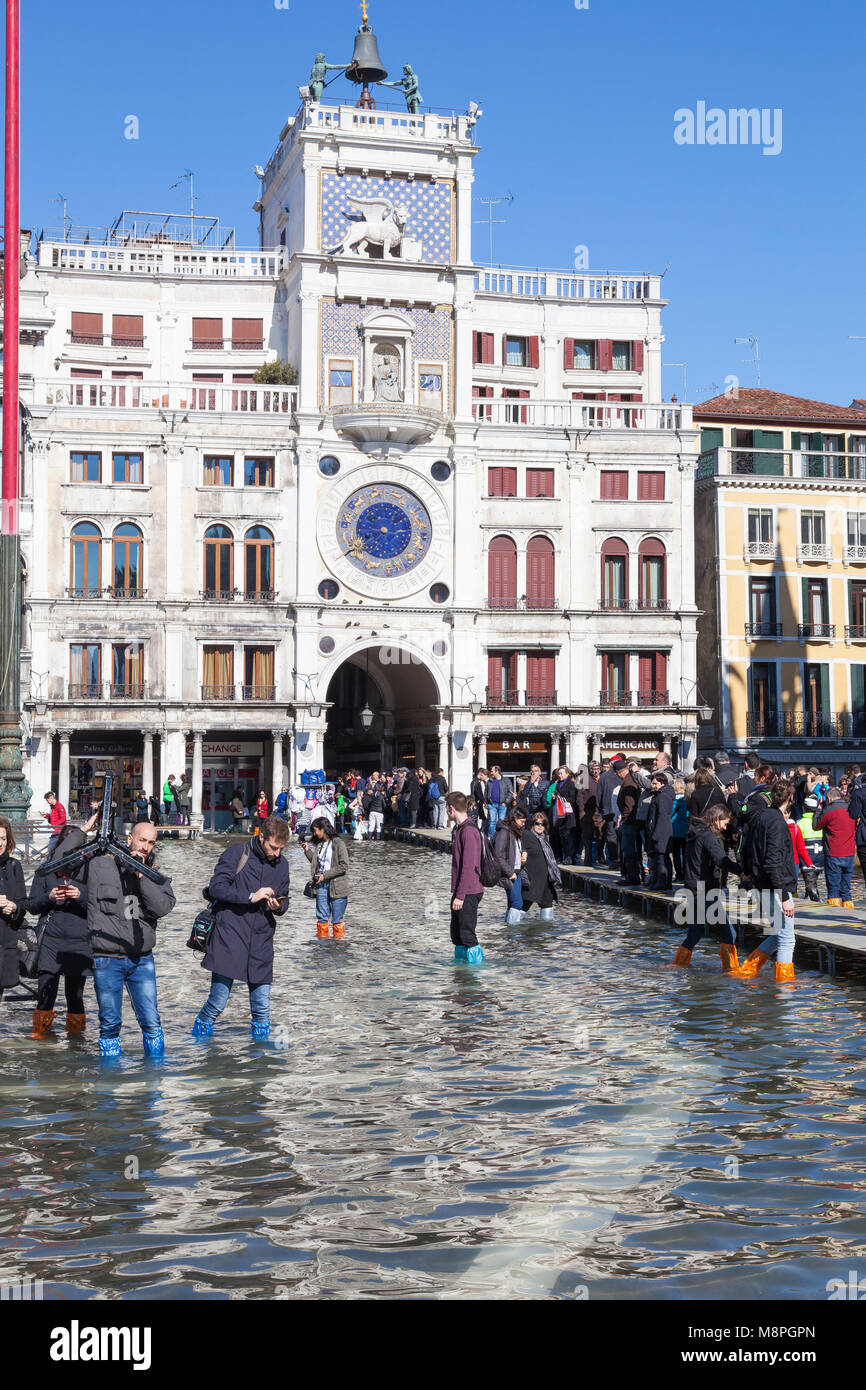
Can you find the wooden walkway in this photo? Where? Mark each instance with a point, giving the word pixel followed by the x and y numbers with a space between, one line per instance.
pixel 828 929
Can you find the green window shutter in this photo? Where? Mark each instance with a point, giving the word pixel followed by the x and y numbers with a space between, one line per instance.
pixel 711 439
pixel 795 439
pixel 858 699
pixel 825 688
pixel 805 586
pixel 768 463
pixel 771 683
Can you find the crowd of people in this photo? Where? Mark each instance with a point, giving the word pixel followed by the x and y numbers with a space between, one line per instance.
pixel 664 831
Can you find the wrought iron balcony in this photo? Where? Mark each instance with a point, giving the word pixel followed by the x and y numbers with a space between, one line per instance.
pixel 754 631
pixel 133 691
pixel 84 591
pixel 91 690
pixel 653 697
pixel 258 595
pixel 537 698
pixel 217 595
pixel 763 726
pixel 634 605
pixel 126 340
pixel 615 697
pixel 816 632
pixel 811 725
pixel 523 604
pixel 259 692
pixel 217 692
pixel 113 591
pixel 855 633
pixel 501 699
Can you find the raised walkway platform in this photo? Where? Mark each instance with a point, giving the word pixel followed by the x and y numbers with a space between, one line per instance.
pixel 827 929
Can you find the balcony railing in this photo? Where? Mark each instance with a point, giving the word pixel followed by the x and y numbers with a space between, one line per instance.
pixel 582 415
pixel 258 595
pixel 221 344
pixel 763 726
pixel 783 463
pixel 816 632
pixel 127 691
pixel 523 604
pixel 855 632
pixel 560 284
pixel 499 699
pixel 217 692
pixel 84 591
pixel 755 631
pixel 532 699
pixel 759 550
pixel 115 591
pixel 259 692
pixel 101 253
pixel 632 698
pixel 240 399
pixel 91 690
pixel 817 725
pixel 635 605
pixel 537 698
pixel 615 697
pixel 813 550
pixel 217 595
pixel 854 555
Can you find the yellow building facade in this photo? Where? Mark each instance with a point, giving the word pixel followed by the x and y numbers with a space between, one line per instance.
pixel 780 532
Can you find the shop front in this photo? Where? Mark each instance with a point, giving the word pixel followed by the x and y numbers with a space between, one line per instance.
pixel 642 750
pixel 89 761
pixel 516 755
pixel 228 765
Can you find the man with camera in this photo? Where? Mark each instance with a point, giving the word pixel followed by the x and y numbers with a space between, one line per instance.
pixel 123 908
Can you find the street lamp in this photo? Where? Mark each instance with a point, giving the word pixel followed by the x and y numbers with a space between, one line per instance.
pixel 366 716
pixel 476 707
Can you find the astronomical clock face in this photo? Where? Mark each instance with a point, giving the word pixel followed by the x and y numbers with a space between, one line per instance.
pixel 384 530
pixel 384 536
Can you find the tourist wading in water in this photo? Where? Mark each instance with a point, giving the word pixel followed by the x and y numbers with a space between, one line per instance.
pixel 705 859
pixel 329 860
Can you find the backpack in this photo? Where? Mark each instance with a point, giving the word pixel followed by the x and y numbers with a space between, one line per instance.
pixel 491 871
pixel 434 792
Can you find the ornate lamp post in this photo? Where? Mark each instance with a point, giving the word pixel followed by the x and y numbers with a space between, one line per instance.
pixel 14 791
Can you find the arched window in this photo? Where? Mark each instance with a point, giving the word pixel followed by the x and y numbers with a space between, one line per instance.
pixel 540 573
pixel 84 560
pixel 653 575
pixel 258 563
pixel 502 573
pixel 218 562
pixel 127 571
pixel 614 573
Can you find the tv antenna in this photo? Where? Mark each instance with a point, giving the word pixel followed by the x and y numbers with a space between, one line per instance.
pixel 490 221
pixel 188 174
pixel 62 200
pixel 756 359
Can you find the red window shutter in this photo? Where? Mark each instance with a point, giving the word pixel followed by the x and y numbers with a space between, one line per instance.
pixel 502 570
pixel 614 485
pixel 129 328
pixel 533 351
pixel 207 331
pixel 84 372
pixel 487 349
pixel 650 487
pixel 86 326
pixel 539 482
pixel 568 354
pixel 207 376
pixel 247 331
pixel 637 355
pixel 645 672
pixel 494 482
pixel 128 376
pixel 540 573
pixel 505 349
pixel 509 482
pixel 605 354
pixel 661 671
pixel 540 674
pixel 494 672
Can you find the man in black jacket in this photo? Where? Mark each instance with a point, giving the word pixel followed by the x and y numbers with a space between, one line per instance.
pixel 769 859
pixel 857 812
pixel 607 793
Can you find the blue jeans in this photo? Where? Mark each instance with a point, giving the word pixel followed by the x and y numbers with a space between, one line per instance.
pixel 837 872
pixel 781 938
pixel 138 973
pixel 495 813
pixel 329 909
pixel 515 894
pixel 221 988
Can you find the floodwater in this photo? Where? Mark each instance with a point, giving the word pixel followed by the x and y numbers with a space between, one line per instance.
pixel 572 1120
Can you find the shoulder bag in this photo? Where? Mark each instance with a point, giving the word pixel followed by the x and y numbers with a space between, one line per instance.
pixel 202 928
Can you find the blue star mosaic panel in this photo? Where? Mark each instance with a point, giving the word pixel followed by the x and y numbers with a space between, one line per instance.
pixel 384 530
pixel 429 216
pixel 340 338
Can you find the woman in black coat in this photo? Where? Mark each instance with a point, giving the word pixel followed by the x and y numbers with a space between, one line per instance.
pixel 65 946
pixel 705 861
pixel 249 890
pixel 511 856
pixel 707 793
pixel 542 877
pixel 658 833
pixel 13 905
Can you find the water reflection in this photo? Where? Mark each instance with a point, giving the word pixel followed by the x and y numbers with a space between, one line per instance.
pixel 572 1117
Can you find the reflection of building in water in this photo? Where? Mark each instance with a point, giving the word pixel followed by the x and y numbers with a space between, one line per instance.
pixel 472 515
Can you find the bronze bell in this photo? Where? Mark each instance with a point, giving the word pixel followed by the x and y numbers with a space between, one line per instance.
pixel 366 65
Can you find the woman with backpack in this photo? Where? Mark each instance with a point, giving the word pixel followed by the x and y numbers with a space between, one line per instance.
pixel 543 878
pixel 511 856
pixel 705 859
pixel 679 828
pixel 64 948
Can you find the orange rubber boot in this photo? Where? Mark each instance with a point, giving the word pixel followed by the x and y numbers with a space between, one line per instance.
pixel 75 1023
pixel 728 956
pixel 683 956
pixel 834 902
pixel 750 966
pixel 849 905
pixel 784 972
pixel 321 929
pixel 42 1021
pixel 339 931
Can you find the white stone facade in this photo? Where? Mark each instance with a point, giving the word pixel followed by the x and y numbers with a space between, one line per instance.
pixel 389 385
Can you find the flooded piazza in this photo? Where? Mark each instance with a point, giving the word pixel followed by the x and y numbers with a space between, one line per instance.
pixel 571 1120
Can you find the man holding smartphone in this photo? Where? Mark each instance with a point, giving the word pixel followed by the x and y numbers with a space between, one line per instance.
pixel 248 890
pixel 123 909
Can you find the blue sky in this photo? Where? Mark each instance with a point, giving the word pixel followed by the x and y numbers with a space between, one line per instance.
pixel 578 125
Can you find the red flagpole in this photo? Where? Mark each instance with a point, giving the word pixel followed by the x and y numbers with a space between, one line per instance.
pixel 11 220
